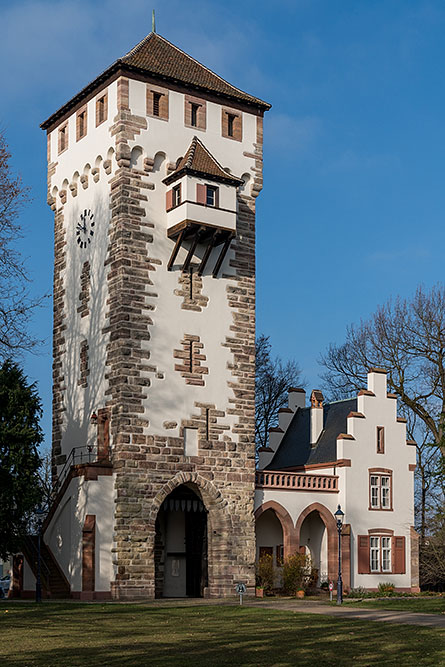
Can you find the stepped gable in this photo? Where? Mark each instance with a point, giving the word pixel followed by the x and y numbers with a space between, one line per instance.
pixel 158 58
pixel 295 448
pixel 198 161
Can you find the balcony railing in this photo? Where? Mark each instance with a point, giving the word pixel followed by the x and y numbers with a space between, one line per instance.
pixel 294 481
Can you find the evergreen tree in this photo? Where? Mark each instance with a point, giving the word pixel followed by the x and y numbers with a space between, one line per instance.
pixel 20 436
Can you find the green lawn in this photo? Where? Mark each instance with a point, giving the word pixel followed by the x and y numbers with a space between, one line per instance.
pixel 66 635
pixel 421 605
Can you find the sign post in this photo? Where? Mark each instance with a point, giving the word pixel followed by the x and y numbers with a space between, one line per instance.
pixel 331 588
pixel 241 590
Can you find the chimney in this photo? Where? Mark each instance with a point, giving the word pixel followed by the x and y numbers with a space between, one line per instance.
pixel 316 415
pixel 296 398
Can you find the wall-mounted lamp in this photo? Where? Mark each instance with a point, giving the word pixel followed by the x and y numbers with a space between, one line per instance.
pixel 93 419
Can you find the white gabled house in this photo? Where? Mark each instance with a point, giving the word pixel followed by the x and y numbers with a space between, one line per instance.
pixel 351 453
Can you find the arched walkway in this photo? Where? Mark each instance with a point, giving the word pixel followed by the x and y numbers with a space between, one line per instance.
pixel 328 519
pixel 290 541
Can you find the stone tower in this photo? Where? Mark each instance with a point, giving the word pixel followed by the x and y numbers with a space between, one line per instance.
pixel 153 171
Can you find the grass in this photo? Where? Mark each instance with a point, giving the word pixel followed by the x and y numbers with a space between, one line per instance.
pixel 421 605
pixel 66 635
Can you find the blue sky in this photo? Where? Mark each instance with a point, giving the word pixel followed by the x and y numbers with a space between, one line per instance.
pixel 353 203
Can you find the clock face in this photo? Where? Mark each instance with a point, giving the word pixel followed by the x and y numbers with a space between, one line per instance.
pixel 85 229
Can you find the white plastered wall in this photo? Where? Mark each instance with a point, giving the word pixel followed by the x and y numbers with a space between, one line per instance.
pixel 379 411
pixel 64 533
pixel 169 398
pixel 80 158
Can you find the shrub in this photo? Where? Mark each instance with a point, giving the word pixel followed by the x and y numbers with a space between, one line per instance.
pixel 264 572
pixel 296 573
pixel 358 592
pixel 386 588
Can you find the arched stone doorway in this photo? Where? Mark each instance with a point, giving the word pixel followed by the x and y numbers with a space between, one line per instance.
pixel 181 553
pixel 221 576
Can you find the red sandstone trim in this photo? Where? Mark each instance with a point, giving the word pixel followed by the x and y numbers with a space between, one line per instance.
pixel 377 370
pixel 412 467
pixel 358 415
pixel 345 436
pixel 365 392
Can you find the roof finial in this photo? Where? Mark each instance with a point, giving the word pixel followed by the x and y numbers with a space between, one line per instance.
pixel 153 22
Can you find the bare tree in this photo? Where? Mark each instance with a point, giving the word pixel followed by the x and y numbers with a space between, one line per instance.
pixel 273 380
pixel 16 305
pixel 407 338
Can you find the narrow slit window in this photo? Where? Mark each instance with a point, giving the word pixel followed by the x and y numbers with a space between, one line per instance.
pixel 230 124
pixel 81 124
pixel 63 138
pixel 101 109
pixel 194 114
pixel 380 440
pixel 156 103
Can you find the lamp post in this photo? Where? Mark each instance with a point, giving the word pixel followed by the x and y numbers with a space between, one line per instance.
pixel 39 512
pixel 339 515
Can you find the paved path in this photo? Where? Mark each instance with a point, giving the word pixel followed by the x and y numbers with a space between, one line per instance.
pixel 300 606
pixel 347 611
pixel 313 607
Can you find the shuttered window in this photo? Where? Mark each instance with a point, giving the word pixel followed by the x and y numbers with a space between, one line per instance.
pixel 381 554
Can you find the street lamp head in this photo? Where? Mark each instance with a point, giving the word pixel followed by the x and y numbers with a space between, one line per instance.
pixel 339 515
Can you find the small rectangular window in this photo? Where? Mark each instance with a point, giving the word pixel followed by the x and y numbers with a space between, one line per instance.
pixel 380 490
pixel 63 138
pixel 230 121
pixel 194 114
pixel 101 109
pixel 176 195
pixel 380 440
pixel 156 103
pixel 81 121
pixel 211 195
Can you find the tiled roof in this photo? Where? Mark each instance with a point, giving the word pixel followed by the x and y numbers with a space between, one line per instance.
pixel 199 161
pixel 158 56
pixel 295 447
pixel 155 56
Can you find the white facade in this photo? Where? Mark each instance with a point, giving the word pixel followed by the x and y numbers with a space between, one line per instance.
pixel 374 488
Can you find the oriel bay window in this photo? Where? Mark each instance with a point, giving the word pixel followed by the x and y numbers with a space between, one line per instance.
pixel 380 489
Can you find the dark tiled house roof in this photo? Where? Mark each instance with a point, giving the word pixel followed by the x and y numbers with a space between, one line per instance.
pixel 295 448
pixel 200 162
pixel 155 56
